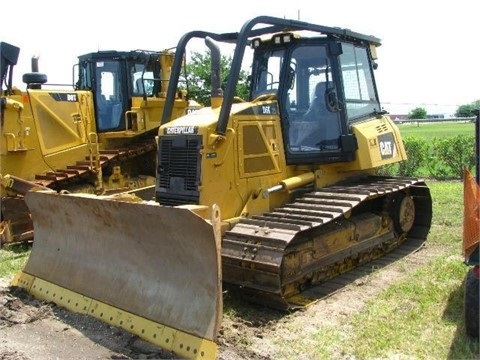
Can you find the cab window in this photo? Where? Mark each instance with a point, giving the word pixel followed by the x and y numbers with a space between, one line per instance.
pixel 360 96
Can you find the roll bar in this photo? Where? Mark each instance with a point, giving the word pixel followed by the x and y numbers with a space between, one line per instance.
pixel 241 40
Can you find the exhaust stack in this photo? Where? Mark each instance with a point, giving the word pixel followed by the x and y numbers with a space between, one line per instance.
pixel 216 92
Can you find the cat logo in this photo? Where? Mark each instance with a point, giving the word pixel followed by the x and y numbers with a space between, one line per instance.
pixel 387 146
pixel 180 130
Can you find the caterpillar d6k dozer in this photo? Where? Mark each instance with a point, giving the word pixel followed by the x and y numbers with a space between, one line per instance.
pixel 291 170
pixel 94 136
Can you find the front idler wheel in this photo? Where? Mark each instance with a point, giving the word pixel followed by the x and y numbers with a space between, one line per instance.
pixel 403 213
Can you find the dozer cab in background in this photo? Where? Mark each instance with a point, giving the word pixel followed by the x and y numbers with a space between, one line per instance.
pixel 290 171
pixel 96 135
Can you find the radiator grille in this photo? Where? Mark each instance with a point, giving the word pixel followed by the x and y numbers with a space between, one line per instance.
pixel 178 172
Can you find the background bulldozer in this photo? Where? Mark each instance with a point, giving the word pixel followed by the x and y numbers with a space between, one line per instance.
pixel 96 135
pixel 274 194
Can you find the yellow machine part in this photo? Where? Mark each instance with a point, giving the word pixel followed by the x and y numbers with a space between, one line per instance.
pixel 129 263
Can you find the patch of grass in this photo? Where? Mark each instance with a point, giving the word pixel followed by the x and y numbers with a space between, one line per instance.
pixel 13 258
pixel 428 131
pixel 420 317
pixel 447 217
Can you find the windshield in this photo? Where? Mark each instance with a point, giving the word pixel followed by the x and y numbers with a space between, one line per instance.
pixel 360 96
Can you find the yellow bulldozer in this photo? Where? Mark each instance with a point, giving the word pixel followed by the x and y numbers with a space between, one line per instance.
pixel 273 195
pixel 95 135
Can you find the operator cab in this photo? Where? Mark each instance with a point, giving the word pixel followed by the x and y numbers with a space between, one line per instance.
pixel 114 78
pixel 322 85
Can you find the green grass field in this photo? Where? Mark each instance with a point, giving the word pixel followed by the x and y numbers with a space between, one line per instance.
pixel 429 131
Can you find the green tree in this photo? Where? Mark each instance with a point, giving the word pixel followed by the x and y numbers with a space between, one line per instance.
pixel 466 110
pixel 199 79
pixel 417 113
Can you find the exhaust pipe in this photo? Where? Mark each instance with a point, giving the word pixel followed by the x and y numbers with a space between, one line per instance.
pixel 35 63
pixel 216 92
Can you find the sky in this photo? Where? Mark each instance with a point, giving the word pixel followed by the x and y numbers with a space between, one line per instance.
pixel 429 57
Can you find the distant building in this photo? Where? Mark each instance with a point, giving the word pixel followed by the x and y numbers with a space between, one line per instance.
pixel 398 118
pixel 436 116
pixel 402 118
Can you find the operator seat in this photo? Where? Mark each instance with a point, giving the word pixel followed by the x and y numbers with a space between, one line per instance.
pixel 319 128
pixel 317 109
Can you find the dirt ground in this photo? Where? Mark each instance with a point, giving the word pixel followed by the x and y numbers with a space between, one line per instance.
pixel 35 330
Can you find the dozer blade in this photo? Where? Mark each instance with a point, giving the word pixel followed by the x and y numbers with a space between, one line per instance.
pixel 153 270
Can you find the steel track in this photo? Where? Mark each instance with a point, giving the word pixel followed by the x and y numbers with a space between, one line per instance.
pixel 276 257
